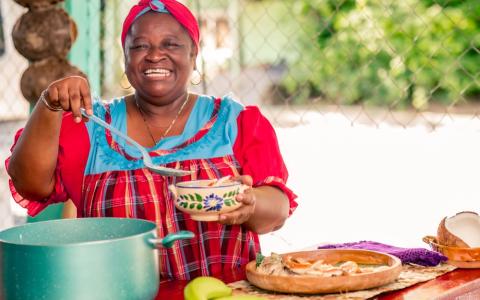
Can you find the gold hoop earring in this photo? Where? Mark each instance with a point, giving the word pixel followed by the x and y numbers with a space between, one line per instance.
pixel 199 77
pixel 123 80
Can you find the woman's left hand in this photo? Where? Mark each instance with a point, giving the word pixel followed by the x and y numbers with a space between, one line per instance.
pixel 247 198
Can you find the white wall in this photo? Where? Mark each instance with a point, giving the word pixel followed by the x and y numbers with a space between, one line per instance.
pixel 386 184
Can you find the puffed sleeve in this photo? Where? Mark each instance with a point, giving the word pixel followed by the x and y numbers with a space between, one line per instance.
pixel 256 149
pixel 60 192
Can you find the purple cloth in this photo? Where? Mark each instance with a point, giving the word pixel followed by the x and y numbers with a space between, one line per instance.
pixel 419 256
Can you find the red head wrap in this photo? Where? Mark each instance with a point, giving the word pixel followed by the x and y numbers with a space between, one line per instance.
pixel 179 11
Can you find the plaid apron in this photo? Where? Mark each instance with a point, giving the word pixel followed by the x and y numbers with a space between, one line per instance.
pixel 143 194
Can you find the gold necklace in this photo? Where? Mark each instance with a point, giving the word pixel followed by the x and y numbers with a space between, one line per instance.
pixel 171 123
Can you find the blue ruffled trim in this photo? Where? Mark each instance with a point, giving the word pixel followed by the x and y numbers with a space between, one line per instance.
pixel 106 155
pixel 208 145
pixel 205 142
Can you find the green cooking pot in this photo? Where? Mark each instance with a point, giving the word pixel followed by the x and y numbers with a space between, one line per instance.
pixel 86 258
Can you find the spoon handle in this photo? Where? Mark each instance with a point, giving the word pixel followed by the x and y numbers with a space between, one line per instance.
pixel 116 131
pixel 220 181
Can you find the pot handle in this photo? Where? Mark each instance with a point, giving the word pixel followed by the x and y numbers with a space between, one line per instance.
pixel 169 239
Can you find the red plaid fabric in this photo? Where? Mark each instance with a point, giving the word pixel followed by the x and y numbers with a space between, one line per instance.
pixel 144 194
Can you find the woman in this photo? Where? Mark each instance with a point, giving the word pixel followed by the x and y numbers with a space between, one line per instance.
pixel 57 156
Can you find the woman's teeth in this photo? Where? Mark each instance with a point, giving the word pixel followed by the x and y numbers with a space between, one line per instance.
pixel 157 73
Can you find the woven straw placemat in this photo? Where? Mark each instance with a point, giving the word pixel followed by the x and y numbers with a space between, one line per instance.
pixel 410 275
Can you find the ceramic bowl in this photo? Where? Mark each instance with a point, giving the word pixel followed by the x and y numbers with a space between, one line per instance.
pixel 460 257
pixel 205 202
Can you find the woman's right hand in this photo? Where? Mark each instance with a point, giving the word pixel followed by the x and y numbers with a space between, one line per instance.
pixel 70 93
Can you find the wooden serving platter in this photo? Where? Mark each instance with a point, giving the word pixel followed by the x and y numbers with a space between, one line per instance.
pixel 312 284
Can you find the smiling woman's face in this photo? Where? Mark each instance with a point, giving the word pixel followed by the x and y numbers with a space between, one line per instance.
pixel 159 57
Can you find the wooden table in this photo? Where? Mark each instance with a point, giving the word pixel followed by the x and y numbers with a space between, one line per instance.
pixel 459 284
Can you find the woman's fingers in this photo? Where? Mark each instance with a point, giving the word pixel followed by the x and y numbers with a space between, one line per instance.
pixel 63 97
pixel 75 104
pixel 244 212
pixel 246 197
pixel 238 216
pixel 248 180
pixel 52 95
pixel 71 93
pixel 245 179
pixel 86 98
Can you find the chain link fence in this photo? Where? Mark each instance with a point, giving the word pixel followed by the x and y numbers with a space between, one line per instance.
pixel 310 65
pixel 415 56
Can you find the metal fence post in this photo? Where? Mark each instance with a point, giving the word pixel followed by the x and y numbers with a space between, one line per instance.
pixel 85 53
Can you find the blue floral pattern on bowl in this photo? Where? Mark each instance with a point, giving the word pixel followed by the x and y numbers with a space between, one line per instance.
pixel 211 202
pixel 204 202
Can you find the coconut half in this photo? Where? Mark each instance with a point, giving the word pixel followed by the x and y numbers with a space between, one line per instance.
pixel 462 230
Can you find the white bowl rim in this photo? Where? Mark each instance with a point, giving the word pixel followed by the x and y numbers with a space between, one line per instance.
pixel 186 184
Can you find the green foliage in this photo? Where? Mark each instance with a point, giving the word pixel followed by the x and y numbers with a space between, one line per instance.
pixel 268 26
pixel 387 52
pixel 259 258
